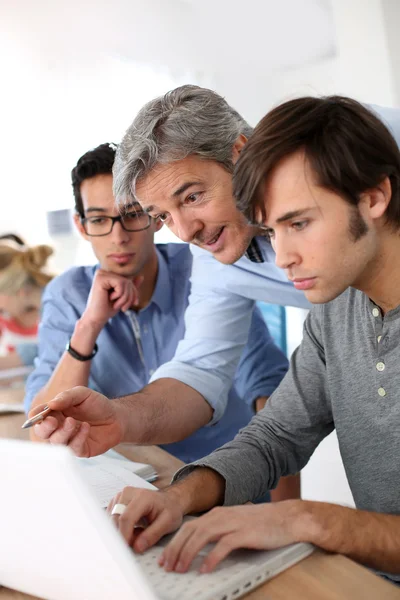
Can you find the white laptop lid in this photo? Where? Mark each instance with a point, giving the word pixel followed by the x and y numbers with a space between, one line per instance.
pixel 92 563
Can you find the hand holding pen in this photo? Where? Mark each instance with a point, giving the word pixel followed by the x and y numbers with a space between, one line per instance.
pixel 37 418
pixel 86 421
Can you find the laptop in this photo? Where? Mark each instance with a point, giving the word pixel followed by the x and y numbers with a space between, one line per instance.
pixel 57 543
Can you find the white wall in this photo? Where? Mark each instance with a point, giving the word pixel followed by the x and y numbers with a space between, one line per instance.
pixel 364 64
pixel 69 111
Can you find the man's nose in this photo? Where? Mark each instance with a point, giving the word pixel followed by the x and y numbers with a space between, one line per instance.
pixel 285 254
pixel 186 229
pixel 119 234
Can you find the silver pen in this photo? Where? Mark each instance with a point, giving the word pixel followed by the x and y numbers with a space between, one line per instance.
pixel 37 418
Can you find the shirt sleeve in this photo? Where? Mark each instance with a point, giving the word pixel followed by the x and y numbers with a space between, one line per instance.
pixel 217 325
pixel 56 327
pixel 280 438
pixel 262 365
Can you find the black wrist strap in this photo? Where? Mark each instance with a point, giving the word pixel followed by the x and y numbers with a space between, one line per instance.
pixel 79 356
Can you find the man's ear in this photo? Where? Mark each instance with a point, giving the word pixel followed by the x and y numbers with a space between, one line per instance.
pixel 238 147
pixel 377 199
pixel 79 226
pixel 158 225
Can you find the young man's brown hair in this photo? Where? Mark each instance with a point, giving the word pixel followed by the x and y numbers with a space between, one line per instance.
pixel 347 146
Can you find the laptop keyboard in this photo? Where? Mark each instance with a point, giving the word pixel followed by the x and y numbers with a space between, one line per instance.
pixel 192 585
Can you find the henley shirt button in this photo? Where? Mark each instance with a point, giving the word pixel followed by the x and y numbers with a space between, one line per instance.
pixel 380 366
pixel 375 312
pixel 381 392
pixel 151 371
pixel 379 338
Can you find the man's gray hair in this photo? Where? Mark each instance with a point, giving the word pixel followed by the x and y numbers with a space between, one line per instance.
pixel 187 120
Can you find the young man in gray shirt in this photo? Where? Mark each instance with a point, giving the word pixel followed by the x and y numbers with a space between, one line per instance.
pixel 322 177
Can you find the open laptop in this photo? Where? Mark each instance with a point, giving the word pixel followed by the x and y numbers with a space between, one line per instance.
pixel 58 544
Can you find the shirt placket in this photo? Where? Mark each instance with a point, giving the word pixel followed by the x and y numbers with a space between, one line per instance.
pixel 380 364
pixel 148 323
pixel 137 334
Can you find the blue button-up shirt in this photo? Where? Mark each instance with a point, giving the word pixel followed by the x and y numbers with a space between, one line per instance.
pixel 218 319
pixel 126 360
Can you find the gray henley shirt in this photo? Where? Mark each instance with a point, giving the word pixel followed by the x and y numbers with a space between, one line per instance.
pixel 344 375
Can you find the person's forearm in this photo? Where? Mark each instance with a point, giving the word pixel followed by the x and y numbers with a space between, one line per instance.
pixel 69 371
pixel 289 487
pixel 199 491
pixel 372 539
pixel 165 411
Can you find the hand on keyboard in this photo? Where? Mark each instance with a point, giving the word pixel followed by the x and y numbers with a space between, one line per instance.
pixel 159 511
pixel 259 527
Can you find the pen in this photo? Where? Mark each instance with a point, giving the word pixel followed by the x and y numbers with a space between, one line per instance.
pixel 37 418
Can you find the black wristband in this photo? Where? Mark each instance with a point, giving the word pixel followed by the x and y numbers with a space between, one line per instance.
pixel 78 356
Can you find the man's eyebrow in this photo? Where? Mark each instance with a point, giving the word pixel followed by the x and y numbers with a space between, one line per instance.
pixel 292 214
pixel 94 209
pixel 184 187
pixel 175 194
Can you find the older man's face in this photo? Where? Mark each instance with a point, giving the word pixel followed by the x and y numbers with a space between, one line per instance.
pixel 193 197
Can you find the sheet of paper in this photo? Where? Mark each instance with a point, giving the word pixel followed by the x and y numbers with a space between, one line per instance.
pixel 115 459
pixel 112 458
pixel 107 479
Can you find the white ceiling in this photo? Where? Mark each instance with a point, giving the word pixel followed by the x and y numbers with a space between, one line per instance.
pixel 204 36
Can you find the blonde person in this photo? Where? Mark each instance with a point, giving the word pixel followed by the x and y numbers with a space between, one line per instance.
pixel 23 276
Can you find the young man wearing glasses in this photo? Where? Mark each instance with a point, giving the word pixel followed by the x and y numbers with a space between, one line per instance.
pixel 123 318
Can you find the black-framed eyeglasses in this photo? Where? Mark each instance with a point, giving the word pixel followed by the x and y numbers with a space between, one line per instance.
pixel 100 225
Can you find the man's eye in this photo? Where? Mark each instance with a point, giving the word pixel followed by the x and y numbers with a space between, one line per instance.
pixel 299 225
pixel 192 198
pixel 97 220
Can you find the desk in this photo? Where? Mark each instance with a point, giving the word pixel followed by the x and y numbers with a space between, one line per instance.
pixel 320 576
